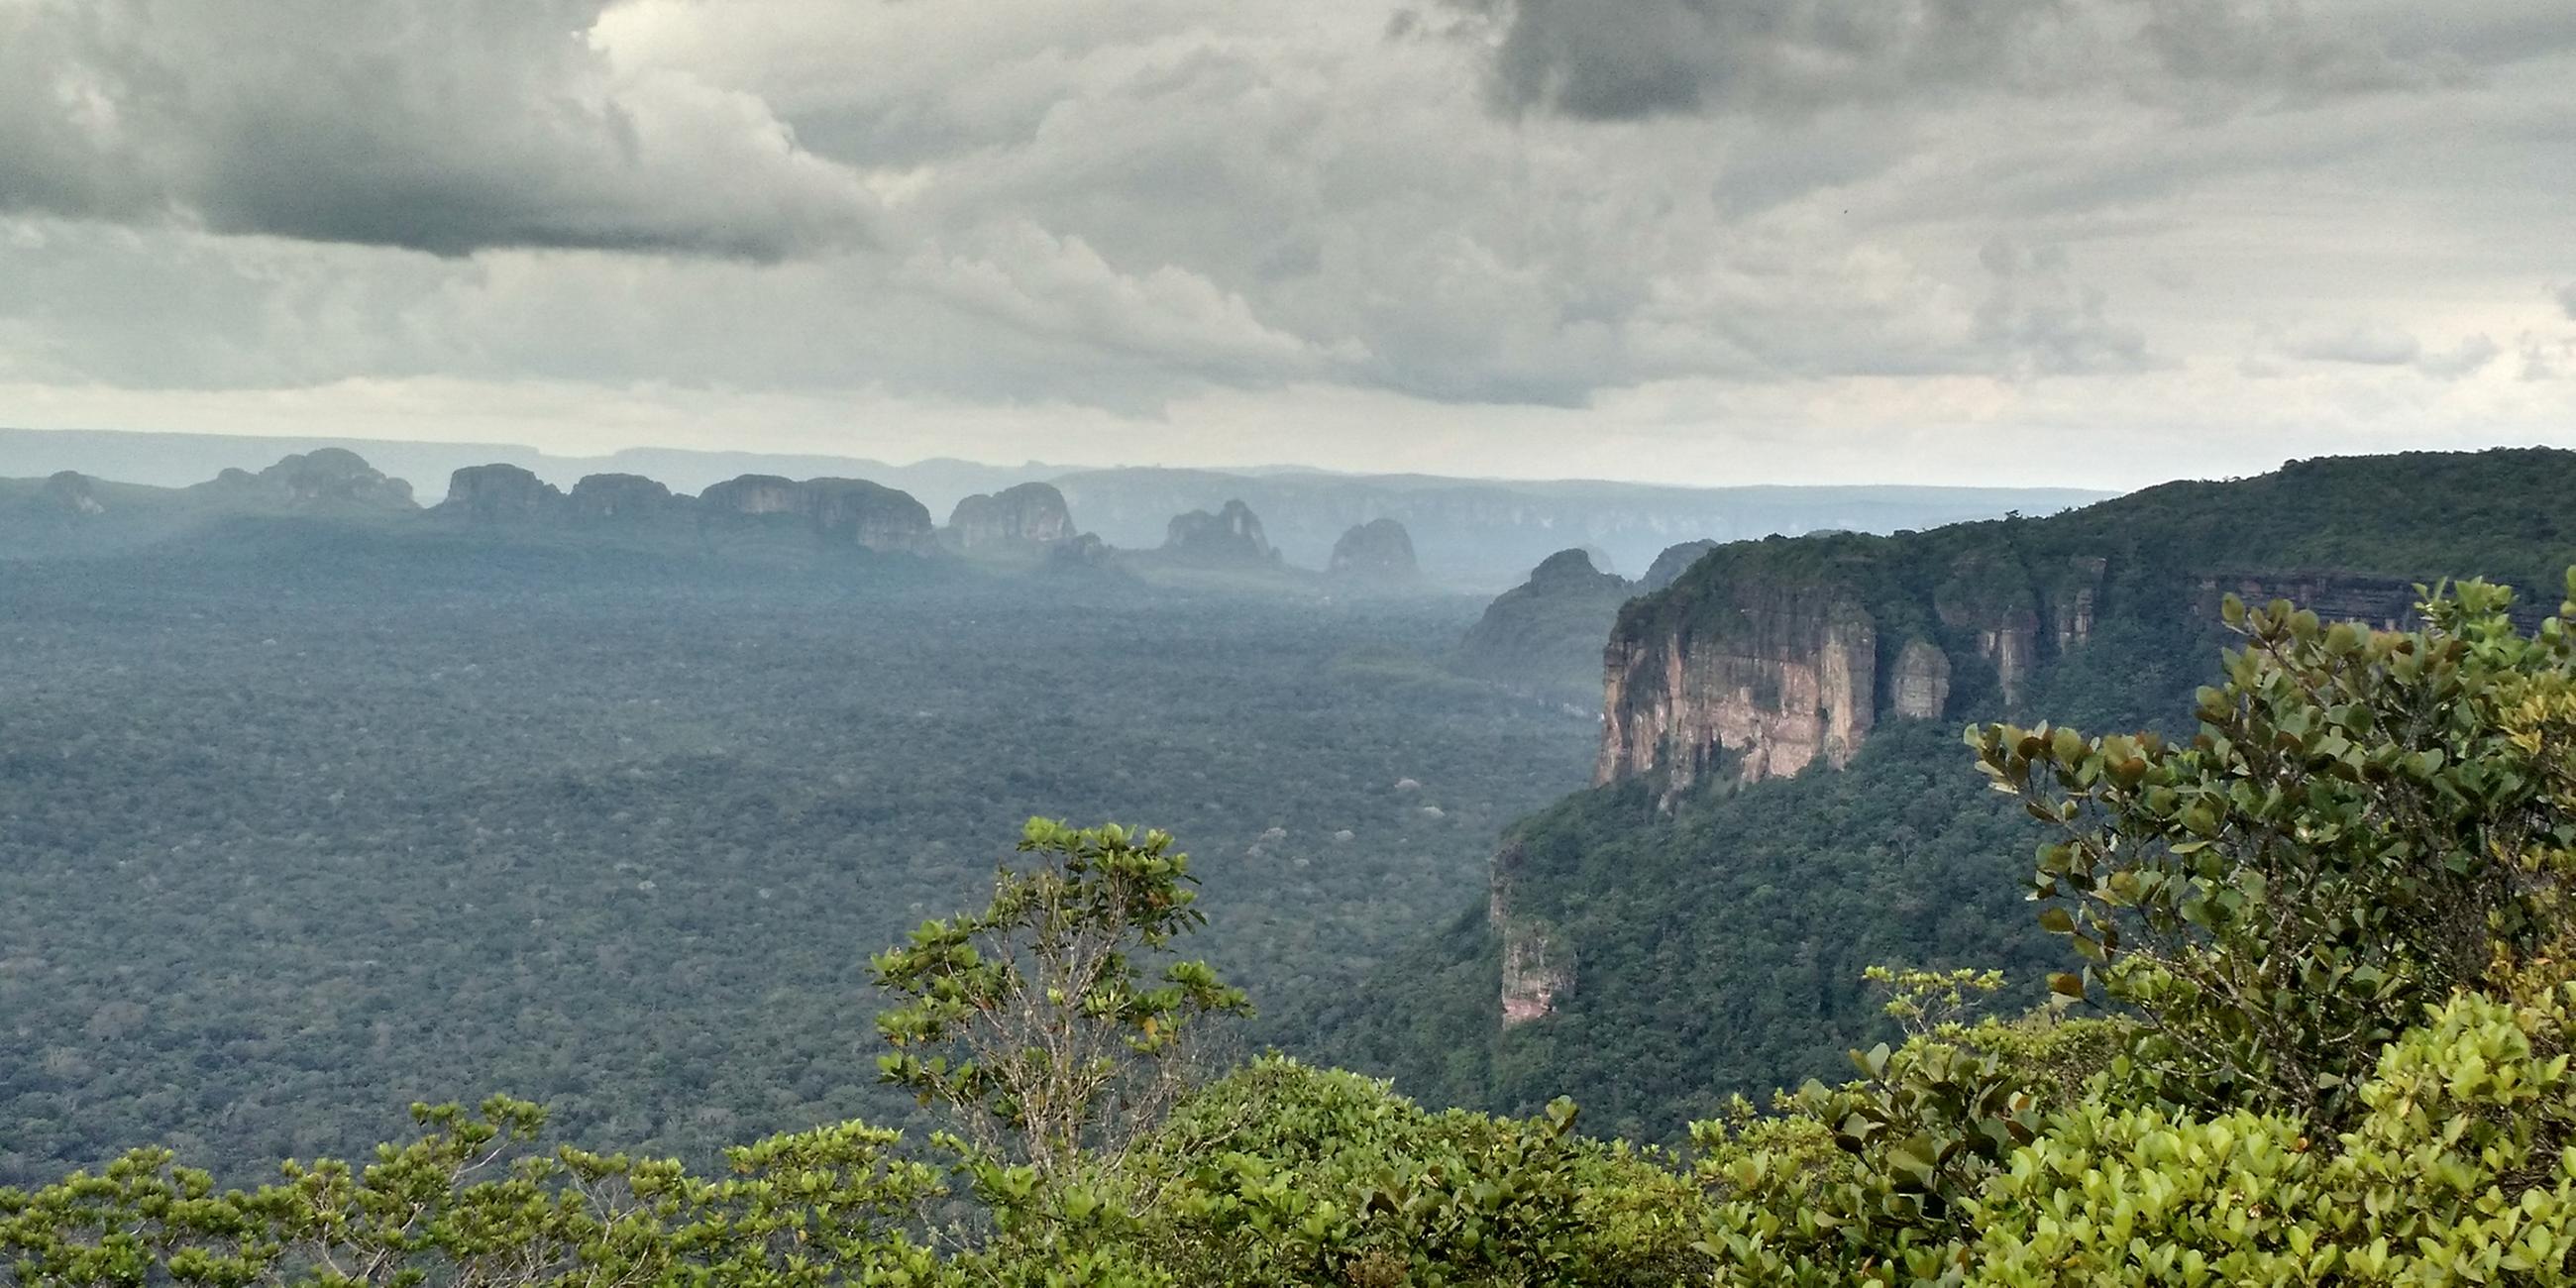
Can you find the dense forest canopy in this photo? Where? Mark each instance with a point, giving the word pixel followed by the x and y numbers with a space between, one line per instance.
pixel 310 822
pixel 2329 935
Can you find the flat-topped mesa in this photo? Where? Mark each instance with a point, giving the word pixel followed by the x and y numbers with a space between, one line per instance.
pixel 1379 551
pixel 837 512
pixel 1758 679
pixel 1231 536
pixel 621 499
pixel 1022 517
pixel 499 494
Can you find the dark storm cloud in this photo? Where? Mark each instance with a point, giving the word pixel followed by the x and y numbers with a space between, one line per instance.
pixel 443 127
pixel 1622 59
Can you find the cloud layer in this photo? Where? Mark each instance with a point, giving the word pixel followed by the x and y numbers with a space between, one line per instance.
pixel 1934 230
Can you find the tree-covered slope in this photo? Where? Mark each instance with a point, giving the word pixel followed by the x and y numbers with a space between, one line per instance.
pixel 1780 804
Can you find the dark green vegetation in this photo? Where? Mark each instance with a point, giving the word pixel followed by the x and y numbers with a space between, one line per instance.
pixel 2334 928
pixel 1711 942
pixel 304 821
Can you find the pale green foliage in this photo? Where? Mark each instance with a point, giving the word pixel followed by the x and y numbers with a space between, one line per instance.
pixel 1925 1002
pixel 475 1202
pixel 2349 838
pixel 1032 1018
pixel 1284 1174
pixel 2457 1171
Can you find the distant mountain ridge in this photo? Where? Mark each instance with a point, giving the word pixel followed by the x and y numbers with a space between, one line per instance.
pixel 1469 533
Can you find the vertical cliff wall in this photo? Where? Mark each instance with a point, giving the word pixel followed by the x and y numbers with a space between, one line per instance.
pixel 1764 681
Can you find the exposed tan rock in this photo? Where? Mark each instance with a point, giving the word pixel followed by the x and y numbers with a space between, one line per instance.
pixel 622 498
pixel 2387 603
pixel 1019 517
pixel 834 511
pixel 1786 677
pixel 2072 604
pixel 1920 687
pixel 1232 535
pixel 1992 597
pixel 1538 968
pixel 499 494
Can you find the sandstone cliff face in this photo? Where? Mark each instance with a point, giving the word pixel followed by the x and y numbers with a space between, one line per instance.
pixel 753 494
pixel 1766 680
pixel 1992 598
pixel 1379 550
pixel 1232 535
pixel 2071 608
pixel 1920 687
pixel 1538 965
pixel 499 494
pixel 1027 515
pixel 850 512
pixel 622 498
pixel 328 477
pixel 2387 603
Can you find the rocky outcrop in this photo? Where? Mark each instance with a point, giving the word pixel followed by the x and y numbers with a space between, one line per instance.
pixel 1538 964
pixel 2071 601
pixel 622 499
pixel 1084 554
pixel 835 512
pixel 1379 551
pixel 72 493
pixel 752 495
pixel 1990 597
pixel 857 512
pixel 499 494
pixel 1919 687
pixel 1672 563
pixel 1017 518
pixel 1766 678
pixel 1231 536
pixel 2387 603
pixel 326 477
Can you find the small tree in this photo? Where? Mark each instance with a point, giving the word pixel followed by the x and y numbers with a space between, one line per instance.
pixel 2363 822
pixel 1032 1019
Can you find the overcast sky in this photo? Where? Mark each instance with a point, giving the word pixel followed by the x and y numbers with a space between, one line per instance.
pixel 2009 241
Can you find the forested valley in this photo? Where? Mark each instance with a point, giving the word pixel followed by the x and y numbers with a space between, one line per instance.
pixel 307 821
pixel 2233 946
